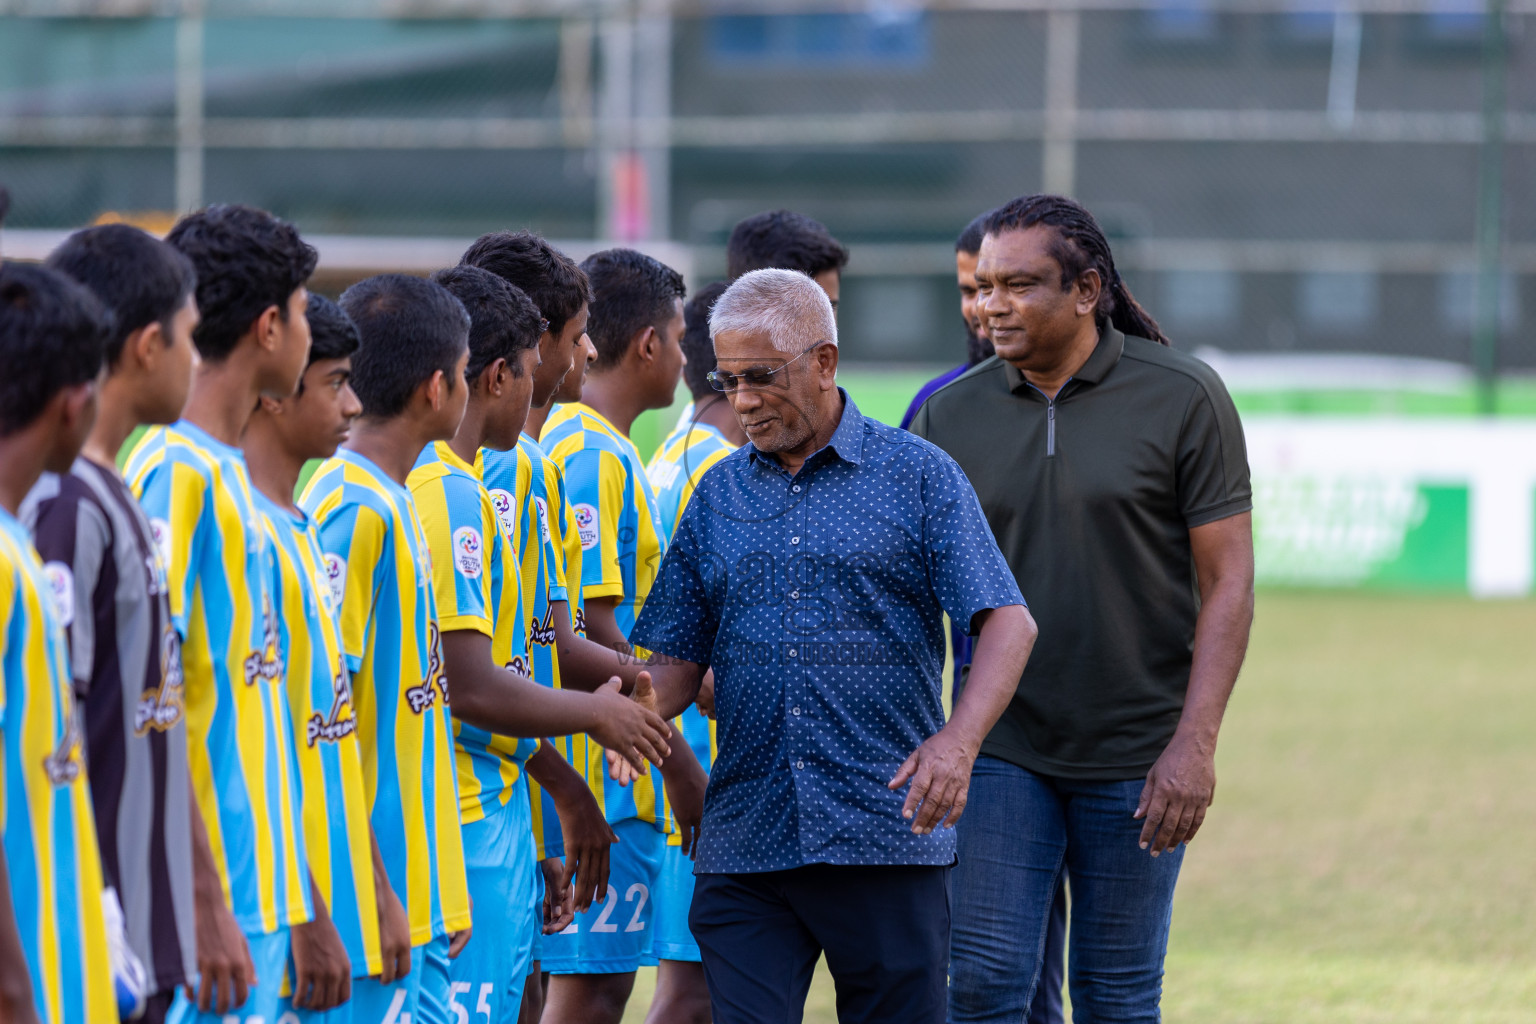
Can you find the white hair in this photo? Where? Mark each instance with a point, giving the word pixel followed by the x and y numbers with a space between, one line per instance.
pixel 786 305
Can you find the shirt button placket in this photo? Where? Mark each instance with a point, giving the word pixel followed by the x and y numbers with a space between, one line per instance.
pixel 797 727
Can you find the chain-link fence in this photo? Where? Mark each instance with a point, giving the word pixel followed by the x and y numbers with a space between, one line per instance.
pixel 1291 175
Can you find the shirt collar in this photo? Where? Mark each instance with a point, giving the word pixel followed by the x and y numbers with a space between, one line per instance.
pixel 1105 355
pixel 847 440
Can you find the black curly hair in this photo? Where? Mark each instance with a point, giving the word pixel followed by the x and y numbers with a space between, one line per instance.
pixel 53 334
pixel 247 261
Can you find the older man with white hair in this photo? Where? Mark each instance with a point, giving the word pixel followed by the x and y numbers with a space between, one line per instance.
pixel 811 571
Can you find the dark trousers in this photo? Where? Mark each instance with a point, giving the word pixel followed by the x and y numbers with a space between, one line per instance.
pixel 885 932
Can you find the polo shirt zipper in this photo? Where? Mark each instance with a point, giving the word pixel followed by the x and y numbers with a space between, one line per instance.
pixel 1050 428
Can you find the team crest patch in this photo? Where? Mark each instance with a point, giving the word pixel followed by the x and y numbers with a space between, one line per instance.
pixel 336 578
pixel 502 501
pixel 61 588
pixel 468 551
pixel 586 526
pixel 160 532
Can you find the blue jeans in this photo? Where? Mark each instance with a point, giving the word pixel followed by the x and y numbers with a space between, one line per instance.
pixel 1019 833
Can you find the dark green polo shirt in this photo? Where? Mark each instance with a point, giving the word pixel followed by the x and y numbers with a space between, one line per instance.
pixel 1091 497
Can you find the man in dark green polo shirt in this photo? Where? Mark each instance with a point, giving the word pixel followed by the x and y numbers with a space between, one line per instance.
pixel 1113 473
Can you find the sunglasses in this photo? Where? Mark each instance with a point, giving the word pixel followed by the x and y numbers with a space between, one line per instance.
pixel 756 378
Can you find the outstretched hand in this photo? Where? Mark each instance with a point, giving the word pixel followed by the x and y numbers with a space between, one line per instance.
pixel 620 768
pixel 629 728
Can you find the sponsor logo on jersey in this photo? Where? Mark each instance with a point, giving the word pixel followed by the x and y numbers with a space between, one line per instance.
pixel 266 663
pixel 339 722
pixel 421 697
pixel 543 508
pixel 63 765
pixel 542 633
pixel 506 515
pixel 586 525
pixel 160 708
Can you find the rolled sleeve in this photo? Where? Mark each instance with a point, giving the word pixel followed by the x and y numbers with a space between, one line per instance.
pixel 965 567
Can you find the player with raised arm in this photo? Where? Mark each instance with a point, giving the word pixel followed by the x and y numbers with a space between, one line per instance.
pixel 191 479
pixel 569 825
pixel 485 645
pixel 636 322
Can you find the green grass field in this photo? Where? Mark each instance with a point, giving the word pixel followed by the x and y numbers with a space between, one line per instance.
pixel 1369 855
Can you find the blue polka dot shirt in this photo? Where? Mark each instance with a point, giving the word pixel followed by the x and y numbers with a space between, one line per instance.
pixel 818 600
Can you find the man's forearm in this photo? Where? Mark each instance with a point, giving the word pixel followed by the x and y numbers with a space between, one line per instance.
pixel 500 701
pixel 586 664
pixel 676 684
pixel 550 771
pixel 206 883
pixel 1002 649
pixel 1221 643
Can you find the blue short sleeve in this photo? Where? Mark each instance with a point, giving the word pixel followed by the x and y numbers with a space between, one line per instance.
pixel 965 567
pixel 681 617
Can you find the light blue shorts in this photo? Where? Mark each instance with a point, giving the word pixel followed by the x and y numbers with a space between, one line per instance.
pixel 433 1002
pixel 674 895
pixel 486 981
pixel 373 1002
pixel 614 936
pixel 269 954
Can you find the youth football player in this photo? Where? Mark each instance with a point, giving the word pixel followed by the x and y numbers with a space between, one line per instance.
pixel 568 822
pixel 53 942
pixel 360 929
pixel 125 657
pixel 635 325
pixel 191 479
pixel 708 434
pixel 409 375
pixel 570 830
pixel 479 598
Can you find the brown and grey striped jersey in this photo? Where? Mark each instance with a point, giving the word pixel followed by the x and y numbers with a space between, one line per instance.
pixel 107 573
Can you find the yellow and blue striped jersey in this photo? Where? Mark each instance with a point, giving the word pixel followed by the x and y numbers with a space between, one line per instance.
pixel 675 470
pixel 336 835
pixel 45 805
pixel 475 581
pixel 679 464
pixel 617 537
pixel 380 572
pixel 198 497
pixel 617 520
pixel 525 490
